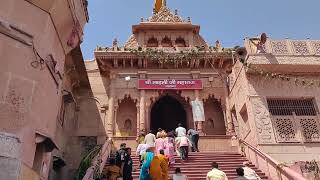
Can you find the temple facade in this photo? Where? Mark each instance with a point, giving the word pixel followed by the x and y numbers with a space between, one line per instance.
pixel 264 93
pixel 165 74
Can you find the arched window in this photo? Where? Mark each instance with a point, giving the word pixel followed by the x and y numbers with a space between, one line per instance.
pixel 152 42
pixel 180 42
pixel 166 42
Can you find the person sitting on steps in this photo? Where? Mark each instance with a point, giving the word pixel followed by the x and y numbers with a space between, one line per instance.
pixel 178 175
pixel 249 173
pixel 240 173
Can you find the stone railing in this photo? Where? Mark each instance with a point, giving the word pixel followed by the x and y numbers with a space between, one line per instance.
pixel 284 47
pixel 99 161
pixel 273 169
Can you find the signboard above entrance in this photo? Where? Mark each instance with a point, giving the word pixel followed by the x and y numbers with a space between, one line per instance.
pixel 170 84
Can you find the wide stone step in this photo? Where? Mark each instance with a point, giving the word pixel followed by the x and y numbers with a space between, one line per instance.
pixel 199 164
pixel 204 158
pixel 191 169
pixel 203 176
pixel 205 171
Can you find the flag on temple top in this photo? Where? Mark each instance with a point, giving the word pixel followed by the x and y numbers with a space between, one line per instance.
pixel 157 5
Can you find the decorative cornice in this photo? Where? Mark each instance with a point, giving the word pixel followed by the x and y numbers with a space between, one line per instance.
pixel 165 15
pixel 131 42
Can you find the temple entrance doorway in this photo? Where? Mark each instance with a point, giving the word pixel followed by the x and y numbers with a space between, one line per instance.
pixel 167 113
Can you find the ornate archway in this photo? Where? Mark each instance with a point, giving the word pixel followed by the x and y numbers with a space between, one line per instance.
pixel 167 113
pixel 168 110
pixel 126 118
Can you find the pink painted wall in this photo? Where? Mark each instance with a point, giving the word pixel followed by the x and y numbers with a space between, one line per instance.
pixel 214 112
pixel 29 97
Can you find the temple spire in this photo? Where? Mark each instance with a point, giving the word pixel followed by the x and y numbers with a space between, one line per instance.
pixel 158 4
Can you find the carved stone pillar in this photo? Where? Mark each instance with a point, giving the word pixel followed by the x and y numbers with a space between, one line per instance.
pixel 147 115
pixel 142 110
pixel 138 118
pixel 228 118
pixel 114 121
pixel 226 108
pixel 110 114
pixel 142 119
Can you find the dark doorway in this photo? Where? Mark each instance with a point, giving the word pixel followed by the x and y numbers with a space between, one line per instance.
pixel 167 113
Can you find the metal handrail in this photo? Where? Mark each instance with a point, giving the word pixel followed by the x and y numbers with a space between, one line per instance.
pixel 280 168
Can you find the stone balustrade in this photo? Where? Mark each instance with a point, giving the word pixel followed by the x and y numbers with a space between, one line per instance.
pixel 284 47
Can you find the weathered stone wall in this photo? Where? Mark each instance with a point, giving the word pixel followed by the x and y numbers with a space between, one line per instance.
pixel 240 101
pixel 32 33
pixel 10 153
pixel 23 91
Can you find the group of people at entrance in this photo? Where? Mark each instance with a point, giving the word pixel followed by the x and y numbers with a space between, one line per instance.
pixel 174 142
pixel 156 152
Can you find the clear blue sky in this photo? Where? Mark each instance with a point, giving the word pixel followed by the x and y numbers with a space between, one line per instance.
pixel 226 20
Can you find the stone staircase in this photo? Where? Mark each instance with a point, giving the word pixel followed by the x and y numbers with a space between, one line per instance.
pixel 200 163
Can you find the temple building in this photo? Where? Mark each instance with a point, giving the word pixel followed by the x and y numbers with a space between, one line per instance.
pixel 165 74
pixel 266 93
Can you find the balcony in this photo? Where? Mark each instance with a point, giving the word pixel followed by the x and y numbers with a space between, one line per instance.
pixel 288 56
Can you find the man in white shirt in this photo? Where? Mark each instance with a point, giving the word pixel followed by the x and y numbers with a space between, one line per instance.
pixel 150 139
pixel 249 173
pixel 181 131
pixel 215 173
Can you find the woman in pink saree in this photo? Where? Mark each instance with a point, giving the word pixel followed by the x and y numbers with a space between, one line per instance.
pixel 159 145
pixel 169 148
